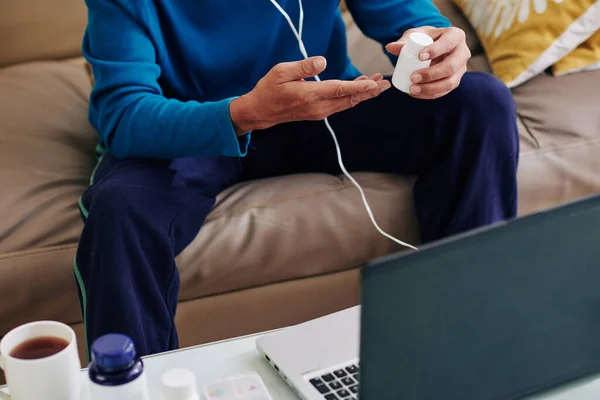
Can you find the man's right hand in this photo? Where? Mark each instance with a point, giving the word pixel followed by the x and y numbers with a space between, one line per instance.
pixel 284 96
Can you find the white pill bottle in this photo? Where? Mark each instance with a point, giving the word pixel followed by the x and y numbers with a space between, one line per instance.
pixel 179 384
pixel 116 372
pixel 408 61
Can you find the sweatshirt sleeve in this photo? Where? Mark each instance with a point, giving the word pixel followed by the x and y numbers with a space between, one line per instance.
pixel 127 105
pixel 386 20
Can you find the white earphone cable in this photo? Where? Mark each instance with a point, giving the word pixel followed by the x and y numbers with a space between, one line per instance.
pixel 298 34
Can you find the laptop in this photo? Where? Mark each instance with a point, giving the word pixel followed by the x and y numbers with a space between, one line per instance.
pixel 504 312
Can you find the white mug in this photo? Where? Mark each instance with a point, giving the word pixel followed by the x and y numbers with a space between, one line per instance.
pixel 57 377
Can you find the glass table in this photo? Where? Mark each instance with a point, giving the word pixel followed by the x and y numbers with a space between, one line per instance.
pixel 220 360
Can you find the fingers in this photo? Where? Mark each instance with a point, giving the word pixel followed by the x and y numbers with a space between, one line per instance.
pixel 318 100
pixel 445 40
pixel 376 77
pixel 334 89
pixel 434 96
pixel 449 66
pixel 396 47
pixel 435 89
pixel 450 39
pixel 347 102
pixel 297 70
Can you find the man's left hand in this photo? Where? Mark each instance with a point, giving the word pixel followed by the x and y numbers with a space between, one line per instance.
pixel 449 54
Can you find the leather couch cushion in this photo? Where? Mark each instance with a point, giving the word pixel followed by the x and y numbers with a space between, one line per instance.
pixel 46 156
pixel 41 29
pixel 46 153
pixel 299 226
pixel 479 63
pixel 560 139
pixel 259 232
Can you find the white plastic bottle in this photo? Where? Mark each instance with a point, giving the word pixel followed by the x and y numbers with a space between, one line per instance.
pixel 116 372
pixel 408 61
pixel 179 384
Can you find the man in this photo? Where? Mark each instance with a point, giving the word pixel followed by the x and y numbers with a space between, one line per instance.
pixel 194 96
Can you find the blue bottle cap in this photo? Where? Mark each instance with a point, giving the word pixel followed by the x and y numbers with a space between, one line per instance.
pixel 113 352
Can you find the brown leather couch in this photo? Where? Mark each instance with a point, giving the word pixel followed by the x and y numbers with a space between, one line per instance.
pixel 273 252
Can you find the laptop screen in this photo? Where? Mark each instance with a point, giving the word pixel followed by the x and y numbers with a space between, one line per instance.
pixel 498 314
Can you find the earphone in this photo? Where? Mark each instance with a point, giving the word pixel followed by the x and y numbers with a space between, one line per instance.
pixel 298 34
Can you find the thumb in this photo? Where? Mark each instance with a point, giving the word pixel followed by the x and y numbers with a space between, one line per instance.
pixel 394 48
pixel 297 70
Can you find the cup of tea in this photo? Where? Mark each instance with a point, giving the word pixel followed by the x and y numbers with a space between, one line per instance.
pixel 40 361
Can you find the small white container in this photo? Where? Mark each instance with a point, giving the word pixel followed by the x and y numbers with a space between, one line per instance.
pixel 408 61
pixel 179 384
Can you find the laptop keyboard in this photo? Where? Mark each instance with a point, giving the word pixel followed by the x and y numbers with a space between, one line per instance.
pixel 340 384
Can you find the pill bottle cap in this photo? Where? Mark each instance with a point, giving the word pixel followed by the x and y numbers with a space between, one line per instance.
pixel 113 352
pixel 179 384
pixel 417 41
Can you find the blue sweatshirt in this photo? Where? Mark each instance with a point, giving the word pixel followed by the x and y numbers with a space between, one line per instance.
pixel 167 70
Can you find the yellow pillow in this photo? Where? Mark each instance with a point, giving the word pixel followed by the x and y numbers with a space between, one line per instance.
pixel 586 57
pixel 523 38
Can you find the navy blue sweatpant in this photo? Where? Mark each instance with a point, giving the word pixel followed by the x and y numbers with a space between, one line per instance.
pixel 141 213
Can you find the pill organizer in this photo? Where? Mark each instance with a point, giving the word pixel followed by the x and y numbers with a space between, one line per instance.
pixel 247 386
